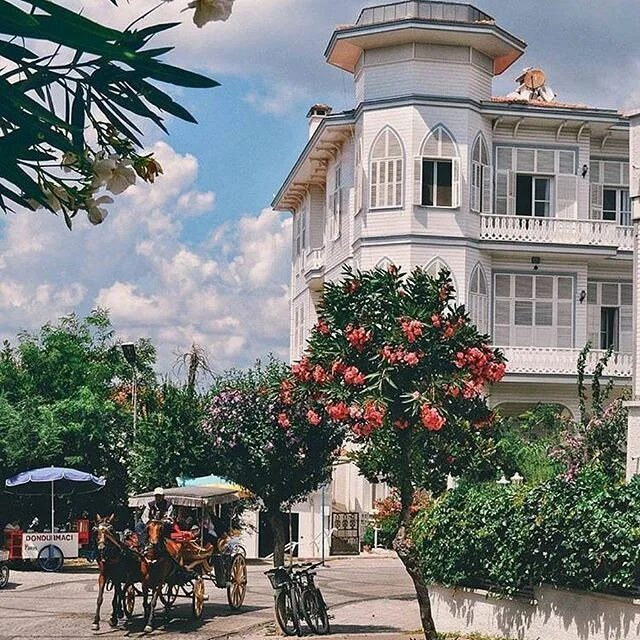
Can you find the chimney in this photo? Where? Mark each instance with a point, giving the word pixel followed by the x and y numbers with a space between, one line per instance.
pixel 316 115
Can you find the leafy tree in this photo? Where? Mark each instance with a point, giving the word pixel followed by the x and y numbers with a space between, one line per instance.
pixel 270 440
pixel 59 406
pixel 76 97
pixel 401 364
pixel 170 441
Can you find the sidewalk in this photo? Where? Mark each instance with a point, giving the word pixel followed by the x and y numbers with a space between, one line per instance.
pixel 388 619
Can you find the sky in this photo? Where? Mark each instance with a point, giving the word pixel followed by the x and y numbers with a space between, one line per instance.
pixel 199 256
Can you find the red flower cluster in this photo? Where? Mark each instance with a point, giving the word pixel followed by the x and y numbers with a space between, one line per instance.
pixel 412 329
pixel 450 328
pixel 358 337
pixel 353 286
pixel 353 377
pixel 470 389
pixel 431 418
pixel 302 370
pixel 284 421
pixel 338 412
pixel 319 375
pixel 313 418
pixel 322 327
pixel 481 363
pixel 401 424
pixel 368 419
pixel 338 368
pixel 436 320
pixel 394 356
pixel 286 391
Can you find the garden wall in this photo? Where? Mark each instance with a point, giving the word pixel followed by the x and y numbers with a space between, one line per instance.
pixel 556 614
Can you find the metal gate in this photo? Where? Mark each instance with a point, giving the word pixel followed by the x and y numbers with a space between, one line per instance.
pixel 345 534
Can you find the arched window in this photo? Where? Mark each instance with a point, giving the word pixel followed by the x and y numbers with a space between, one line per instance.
pixel 387 171
pixel 437 265
pixel 480 177
pixel 437 171
pixel 479 299
pixel 385 263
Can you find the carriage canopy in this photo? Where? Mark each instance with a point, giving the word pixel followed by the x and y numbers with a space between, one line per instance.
pixel 195 497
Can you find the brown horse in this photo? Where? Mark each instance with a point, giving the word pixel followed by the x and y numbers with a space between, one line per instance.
pixel 118 565
pixel 161 565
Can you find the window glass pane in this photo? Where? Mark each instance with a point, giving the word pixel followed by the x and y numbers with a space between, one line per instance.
pixel 610 294
pixel 447 149
pixel 592 293
pixel 524 313
pixel 502 335
pixel 525 160
pixel 626 294
pixel 609 204
pixel 565 288
pixel 542 209
pixel 543 189
pixel 523 195
pixel 482 283
pixel 503 312
pixel 444 178
pixel 544 314
pixel 503 286
pixel 546 161
pixel 504 157
pixel 394 145
pixel 564 314
pixel 524 287
pixel 428 168
pixel 544 287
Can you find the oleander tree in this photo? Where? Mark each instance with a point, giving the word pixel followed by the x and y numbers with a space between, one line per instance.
pixel 76 98
pixel 269 436
pixel 400 365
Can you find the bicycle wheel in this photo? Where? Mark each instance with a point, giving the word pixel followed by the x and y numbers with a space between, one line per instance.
pixel 315 611
pixel 286 614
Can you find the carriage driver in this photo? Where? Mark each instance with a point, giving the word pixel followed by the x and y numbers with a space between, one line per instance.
pixel 158 509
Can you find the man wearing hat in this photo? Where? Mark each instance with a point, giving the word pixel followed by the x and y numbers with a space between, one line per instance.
pixel 158 509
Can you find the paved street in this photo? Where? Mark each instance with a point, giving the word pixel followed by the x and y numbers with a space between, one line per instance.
pixel 38 605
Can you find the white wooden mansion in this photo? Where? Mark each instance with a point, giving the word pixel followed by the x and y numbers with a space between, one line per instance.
pixel 523 198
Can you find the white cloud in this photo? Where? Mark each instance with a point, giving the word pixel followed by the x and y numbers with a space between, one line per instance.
pixel 227 293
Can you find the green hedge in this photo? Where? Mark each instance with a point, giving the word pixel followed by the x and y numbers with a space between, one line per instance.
pixel 583 534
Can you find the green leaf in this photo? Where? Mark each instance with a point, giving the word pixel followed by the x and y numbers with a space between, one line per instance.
pixel 174 75
pixel 77 117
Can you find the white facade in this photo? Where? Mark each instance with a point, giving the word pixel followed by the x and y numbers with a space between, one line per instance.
pixel 526 203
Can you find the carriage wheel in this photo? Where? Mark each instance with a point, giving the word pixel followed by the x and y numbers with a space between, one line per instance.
pixel 129 600
pixel 4 576
pixel 50 558
pixel 169 594
pixel 237 587
pixel 197 605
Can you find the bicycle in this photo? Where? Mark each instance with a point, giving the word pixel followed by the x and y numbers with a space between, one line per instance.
pixel 314 608
pixel 297 597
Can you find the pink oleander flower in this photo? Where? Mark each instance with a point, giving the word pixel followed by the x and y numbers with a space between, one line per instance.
pixel 313 418
pixel 431 418
pixel 353 377
pixel 284 421
pixel 412 329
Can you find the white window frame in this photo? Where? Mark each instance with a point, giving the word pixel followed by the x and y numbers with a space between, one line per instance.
pixel 534 201
pixel 622 210
pixel 335 204
pixel 437 135
pixel 479 301
pixel 481 177
pixel 386 193
pixel 534 333
pixel 595 304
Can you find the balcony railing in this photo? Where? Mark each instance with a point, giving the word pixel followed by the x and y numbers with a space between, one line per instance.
pixel 563 362
pixel 314 262
pixel 596 233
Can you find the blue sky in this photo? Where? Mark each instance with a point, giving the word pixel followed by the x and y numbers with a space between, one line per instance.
pixel 199 256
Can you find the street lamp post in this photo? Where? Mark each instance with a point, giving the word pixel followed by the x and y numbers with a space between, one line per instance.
pixel 130 355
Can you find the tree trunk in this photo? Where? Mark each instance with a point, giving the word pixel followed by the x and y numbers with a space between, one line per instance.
pixel 403 546
pixel 278 521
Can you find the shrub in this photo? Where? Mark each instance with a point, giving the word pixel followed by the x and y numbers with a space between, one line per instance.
pixel 583 534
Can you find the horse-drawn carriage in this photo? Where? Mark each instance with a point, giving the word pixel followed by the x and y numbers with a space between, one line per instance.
pixel 189 564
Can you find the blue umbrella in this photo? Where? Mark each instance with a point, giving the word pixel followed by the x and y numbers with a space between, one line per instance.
pixel 53 480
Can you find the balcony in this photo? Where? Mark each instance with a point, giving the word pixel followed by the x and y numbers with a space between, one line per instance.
pixel 313 266
pixel 595 233
pixel 562 362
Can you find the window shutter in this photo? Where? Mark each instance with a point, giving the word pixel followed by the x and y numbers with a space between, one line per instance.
pixel 596 190
pixel 455 183
pixel 332 217
pixel 511 193
pixel 626 329
pixel 487 188
pixel 566 196
pixel 417 181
